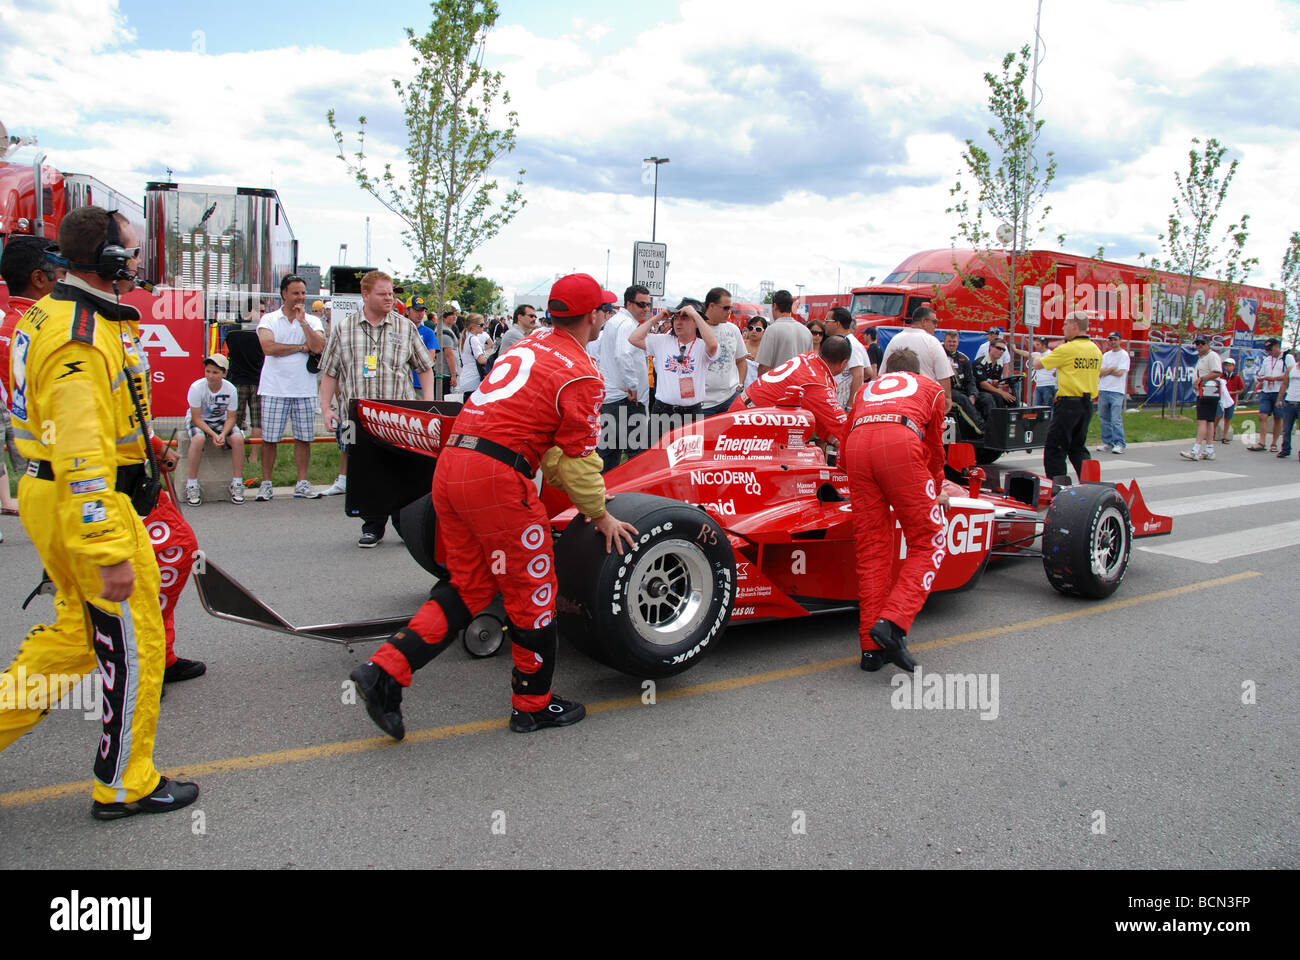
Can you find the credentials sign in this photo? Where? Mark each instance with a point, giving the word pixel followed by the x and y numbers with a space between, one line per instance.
pixel 649 265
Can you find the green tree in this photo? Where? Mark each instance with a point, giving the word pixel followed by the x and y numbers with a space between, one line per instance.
pixel 998 201
pixel 1291 290
pixel 479 295
pixel 1193 249
pixel 767 297
pixel 445 198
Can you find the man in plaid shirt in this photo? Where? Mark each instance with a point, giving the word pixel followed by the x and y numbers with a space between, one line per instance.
pixel 371 355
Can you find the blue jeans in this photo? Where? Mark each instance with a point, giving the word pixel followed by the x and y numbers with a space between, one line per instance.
pixel 1110 411
pixel 1044 396
pixel 1288 411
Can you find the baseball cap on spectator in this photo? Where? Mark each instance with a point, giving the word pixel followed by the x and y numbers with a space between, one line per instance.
pixel 1201 338
pixel 220 360
pixel 995 329
pixel 1112 335
pixel 577 295
pixel 1229 360
pixel 1272 342
pixel 318 304
pixel 417 303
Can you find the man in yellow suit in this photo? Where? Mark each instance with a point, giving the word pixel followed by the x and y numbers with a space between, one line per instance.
pixel 81 418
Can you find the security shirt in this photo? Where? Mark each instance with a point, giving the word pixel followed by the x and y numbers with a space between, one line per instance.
pixel 1077 364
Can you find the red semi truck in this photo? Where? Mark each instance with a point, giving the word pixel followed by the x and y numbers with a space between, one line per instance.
pixel 210 250
pixel 967 286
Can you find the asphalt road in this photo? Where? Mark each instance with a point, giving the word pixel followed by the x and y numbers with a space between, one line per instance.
pixel 775 751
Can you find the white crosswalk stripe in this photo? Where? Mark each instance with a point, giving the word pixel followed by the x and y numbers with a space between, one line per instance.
pixel 1177 479
pixel 1207 502
pixel 1225 546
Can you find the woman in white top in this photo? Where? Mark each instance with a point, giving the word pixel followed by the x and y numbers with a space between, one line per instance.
pixel 681 358
pixel 475 351
pixel 753 337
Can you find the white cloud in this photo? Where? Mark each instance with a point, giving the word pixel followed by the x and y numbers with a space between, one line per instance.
pixel 744 83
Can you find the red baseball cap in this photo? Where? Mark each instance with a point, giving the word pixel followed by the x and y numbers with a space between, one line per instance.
pixel 576 295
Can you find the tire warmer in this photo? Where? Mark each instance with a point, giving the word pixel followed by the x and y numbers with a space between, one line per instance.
pixel 174 544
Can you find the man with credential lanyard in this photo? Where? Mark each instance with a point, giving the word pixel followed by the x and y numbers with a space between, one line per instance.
pixel 681 358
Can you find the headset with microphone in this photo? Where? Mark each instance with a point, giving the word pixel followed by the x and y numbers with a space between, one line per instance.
pixel 111 258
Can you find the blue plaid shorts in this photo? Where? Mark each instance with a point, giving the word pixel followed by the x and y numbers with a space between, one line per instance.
pixel 277 412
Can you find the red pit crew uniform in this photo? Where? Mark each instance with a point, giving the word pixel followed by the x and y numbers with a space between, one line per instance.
pixel 809 372
pixel 174 544
pixel 540 404
pixel 892 464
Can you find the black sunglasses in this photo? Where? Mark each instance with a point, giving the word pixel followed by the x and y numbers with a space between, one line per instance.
pixel 641 303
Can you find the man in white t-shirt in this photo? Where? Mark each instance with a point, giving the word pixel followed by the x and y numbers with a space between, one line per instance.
pixel 681 358
pixel 1270 381
pixel 213 404
pixel 627 380
pixel 1044 379
pixel 1209 371
pixel 287 389
pixel 1112 390
pixel 920 339
pixel 726 371
pixel 839 322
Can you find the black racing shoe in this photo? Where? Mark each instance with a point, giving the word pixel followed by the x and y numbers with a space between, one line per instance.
pixel 383 697
pixel 184 669
pixel 167 796
pixel 893 643
pixel 557 713
pixel 369 540
pixel 873 660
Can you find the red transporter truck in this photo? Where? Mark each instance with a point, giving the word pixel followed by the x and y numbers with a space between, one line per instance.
pixel 815 306
pixel 969 289
pixel 211 250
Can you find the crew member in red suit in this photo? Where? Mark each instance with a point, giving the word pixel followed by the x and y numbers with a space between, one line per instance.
pixel 174 545
pixel 894 458
pixel 815 373
pixel 539 408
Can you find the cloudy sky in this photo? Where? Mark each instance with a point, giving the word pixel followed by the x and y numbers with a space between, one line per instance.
pixel 811 143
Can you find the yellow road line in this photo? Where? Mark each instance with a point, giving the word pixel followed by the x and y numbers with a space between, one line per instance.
pixel 22 798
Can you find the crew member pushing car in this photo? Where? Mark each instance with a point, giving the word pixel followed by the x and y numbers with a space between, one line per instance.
pixel 1077 363
pixel 894 458
pixel 814 373
pixel 539 407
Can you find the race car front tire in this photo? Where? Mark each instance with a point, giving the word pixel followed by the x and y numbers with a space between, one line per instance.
pixel 659 608
pixel 1087 539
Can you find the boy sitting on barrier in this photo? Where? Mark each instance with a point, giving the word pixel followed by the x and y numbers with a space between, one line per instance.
pixel 213 401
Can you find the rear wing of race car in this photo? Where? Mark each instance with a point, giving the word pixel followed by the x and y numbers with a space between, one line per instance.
pixel 227 599
pixel 393 447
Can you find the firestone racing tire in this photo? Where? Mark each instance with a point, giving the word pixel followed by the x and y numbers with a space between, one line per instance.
pixel 659 608
pixel 418 528
pixel 1087 539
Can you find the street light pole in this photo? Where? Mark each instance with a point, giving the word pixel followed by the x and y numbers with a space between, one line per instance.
pixel 654 216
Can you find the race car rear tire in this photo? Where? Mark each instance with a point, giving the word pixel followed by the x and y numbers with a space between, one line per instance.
pixel 661 606
pixel 418 528
pixel 1087 539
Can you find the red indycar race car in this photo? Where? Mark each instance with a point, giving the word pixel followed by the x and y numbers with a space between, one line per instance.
pixel 740 519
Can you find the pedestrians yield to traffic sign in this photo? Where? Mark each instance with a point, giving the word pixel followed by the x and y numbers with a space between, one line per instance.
pixel 649 264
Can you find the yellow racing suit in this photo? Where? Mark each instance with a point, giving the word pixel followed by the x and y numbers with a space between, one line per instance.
pixel 75 422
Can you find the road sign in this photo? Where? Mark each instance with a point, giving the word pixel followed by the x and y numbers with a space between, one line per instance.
pixel 649 265
pixel 1033 306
